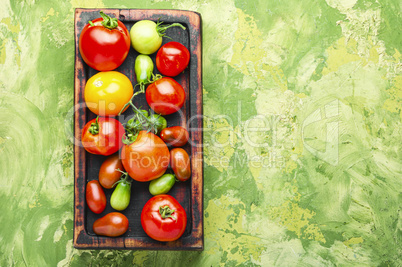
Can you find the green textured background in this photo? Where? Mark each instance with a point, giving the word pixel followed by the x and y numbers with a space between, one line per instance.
pixel 303 132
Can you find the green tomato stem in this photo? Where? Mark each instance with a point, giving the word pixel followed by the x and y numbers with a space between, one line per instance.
pixel 155 78
pixel 162 28
pixel 149 122
pixel 141 91
pixel 142 86
pixel 108 22
pixel 123 178
pixel 166 212
pixel 124 107
pixel 138 111
pixel 94 129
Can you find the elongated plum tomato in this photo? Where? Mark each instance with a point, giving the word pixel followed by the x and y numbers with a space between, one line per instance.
pixel 108 174
pixel 176 136
pixel 112 224
pixel 146 35
pixel 107 92
pixel 172 58
pixel 163 218
pixel 165 96
pixel 102 136
pixel 180 163
pixel 95 197
pixel 104 43
pixel 143 68
pixel 147 158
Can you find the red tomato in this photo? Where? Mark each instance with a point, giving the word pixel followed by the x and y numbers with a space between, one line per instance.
pixel 112 224
pixel 108 174
pixel 104 46
pixel 102 136
pixel 176 136
pixel 180 163
pixel 172 58
pixel 165 96
pixel 95 197
pixel 147 158
pixel 163 218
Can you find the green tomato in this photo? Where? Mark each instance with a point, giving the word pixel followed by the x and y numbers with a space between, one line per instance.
pixel 133 125
pixel 144 112
pixel 162 185
pixel 145 39
pixel 144 68
pixel 121 195
pixel 159 122
pixel 146 35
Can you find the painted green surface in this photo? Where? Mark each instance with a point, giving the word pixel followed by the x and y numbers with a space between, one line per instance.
pixel 303 163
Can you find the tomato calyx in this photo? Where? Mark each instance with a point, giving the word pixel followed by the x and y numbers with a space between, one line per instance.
pixel 166 212
pixel 161 29
pixel 123 178
pixel 108 22
pixel 94 129
pixel 129 138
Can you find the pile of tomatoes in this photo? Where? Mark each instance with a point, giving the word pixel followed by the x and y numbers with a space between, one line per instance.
pixel 139 148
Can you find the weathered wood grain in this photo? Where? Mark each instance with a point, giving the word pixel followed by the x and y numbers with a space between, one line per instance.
pixel 190 193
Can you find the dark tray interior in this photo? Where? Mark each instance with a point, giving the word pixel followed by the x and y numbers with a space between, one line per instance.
pixel 140 193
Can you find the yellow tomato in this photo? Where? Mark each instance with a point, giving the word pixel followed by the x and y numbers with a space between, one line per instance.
pixel 107 92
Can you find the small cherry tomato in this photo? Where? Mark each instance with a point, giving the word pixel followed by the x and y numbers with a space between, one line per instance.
pixel 146 35
pixel 108 174
pixel 180 163
pixel 147 158
pixel 172 58
pixel 165 96
pixel 163 218
pixel 162 185
pixel 102 136
pixel 107 92
pixel 176 136
pixel 95 197
pixel 112 224
pixel 104 43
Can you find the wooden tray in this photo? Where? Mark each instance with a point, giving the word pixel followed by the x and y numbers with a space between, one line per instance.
pixel 189 193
